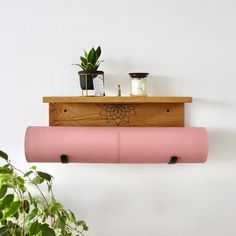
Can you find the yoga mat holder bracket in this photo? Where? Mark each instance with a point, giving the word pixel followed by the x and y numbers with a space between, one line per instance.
pixel 173 160
pixel 64 159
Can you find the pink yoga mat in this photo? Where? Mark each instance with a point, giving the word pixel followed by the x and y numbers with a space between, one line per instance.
pixel 116 144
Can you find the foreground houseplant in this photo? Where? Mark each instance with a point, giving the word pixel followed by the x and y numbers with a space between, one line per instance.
pixel 24 214
pixel 89 63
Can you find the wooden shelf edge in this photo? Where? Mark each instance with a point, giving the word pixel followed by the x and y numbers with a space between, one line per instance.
pixel 110 100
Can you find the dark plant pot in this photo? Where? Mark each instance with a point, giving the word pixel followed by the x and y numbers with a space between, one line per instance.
pixel 83 75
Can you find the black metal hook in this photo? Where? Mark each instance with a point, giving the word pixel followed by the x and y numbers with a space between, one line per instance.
pixel 173 160
pixel 64 159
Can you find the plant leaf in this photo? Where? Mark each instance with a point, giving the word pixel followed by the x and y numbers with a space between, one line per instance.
pixel 84 61
pixel 3 191
pixel 16 216
pixel 20 180
pixel 99 62
pixel 82 67
pixel 46 230
pixel 28 173
pixel 3 155
pixel 86 54
pixel 39 234
pixel 75 64
pixel 83 225
pixel 92 56
pixel 34 228
pixel 90 68
pixel 4 231
pixel 4 170
pixel 6 202
pixel 45 176
pixel 26 206
pixel 10 224
pixel 5 178
pixel 71 217
pixel 32 214
pixel 14 207
pixel 30 198
pixel 61 224
pixel 37 180
pixel 55 208
pixel 98 52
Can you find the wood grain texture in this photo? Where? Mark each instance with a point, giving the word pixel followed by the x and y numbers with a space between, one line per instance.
pixel 117 100
pixel 138 114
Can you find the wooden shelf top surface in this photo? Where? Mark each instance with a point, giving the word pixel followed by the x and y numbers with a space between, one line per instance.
pixel 109 100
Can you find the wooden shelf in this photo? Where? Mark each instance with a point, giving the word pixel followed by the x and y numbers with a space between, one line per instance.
pixel 117 100
pixel 117 111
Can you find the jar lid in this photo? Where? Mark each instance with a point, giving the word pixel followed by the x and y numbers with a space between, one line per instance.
pixel 138 75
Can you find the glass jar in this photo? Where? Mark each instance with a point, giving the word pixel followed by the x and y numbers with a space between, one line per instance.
pixel 138 84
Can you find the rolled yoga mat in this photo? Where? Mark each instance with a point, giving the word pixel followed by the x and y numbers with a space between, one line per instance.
pixel 116 144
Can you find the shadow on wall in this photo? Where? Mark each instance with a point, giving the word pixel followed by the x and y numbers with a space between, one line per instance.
pixel 197 112
pixel 222 135
pixel 167 86
pixel 214 103
pixel 222 147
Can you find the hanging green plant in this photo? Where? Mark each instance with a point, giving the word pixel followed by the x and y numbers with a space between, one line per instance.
pixel 22 214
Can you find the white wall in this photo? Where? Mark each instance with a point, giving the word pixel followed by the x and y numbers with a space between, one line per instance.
pixel 188 47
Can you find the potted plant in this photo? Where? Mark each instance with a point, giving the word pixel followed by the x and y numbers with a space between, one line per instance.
pixel 25 214
pixel 89 64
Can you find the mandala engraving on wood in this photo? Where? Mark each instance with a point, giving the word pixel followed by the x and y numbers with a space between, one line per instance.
pixel 117 113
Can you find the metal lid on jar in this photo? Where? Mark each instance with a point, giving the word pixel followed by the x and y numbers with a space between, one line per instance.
pixel 138 75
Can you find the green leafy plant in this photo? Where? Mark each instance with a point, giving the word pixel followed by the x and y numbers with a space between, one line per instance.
pixel 90 61
pixel 25 214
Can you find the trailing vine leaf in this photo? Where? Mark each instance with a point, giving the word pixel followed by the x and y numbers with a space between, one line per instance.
pixel 34 228
pixel 6 201
pixel 3 191
pixel 26 206
pixel 56 207
pixel 28 173
pixel 4 231
pixel 61 224
pixel 20 180
pixel 46 230
pixel 3 155
pixel 39 234
pixel 83 224
pixel 37 180
pixel 44 175
pixel 72 217
pixel 32 214
pixel 13 208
